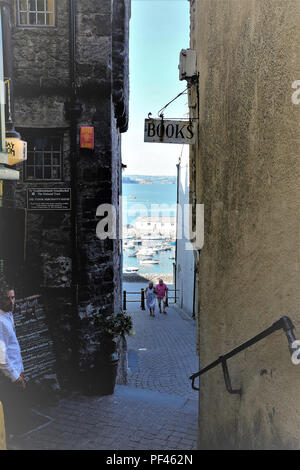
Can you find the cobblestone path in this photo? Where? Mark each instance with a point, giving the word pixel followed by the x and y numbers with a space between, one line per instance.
pixel 126 420
pixel 157 410
pixel 161 355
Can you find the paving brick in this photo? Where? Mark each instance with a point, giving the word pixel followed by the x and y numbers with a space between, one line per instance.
pixel 170 357
pixel 134 418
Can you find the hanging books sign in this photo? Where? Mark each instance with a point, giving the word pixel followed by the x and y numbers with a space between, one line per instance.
pixel 169 132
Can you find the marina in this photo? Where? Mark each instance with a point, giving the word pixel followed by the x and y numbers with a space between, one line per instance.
pixel 149 236
pixel 148 255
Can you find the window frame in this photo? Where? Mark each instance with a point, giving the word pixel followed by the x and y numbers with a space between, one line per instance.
pixel 34 134
pixel 36 25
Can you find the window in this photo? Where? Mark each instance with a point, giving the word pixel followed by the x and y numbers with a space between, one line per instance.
pixel 35 12
pixel 44 156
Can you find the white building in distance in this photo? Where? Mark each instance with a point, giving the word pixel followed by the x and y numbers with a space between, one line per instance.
pixel 152 226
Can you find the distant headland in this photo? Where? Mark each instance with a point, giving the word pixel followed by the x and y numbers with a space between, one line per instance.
pixel 145 179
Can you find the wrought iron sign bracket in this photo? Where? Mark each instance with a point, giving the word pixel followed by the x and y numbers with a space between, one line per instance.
pixel 160 112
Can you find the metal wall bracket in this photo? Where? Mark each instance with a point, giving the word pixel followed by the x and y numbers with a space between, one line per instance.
pixel 227 378
pixel 283 323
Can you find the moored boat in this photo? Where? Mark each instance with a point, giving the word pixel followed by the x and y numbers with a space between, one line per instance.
pixel 149 261
pixel 145 252
pixel 130 270
pixel 132 255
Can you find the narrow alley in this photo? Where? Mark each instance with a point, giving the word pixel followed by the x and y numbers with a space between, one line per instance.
pixel 156 410
pixel 149 144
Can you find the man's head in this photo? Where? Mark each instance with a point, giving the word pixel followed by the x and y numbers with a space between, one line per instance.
pixel 7 297
pixel 161 282
pixel 150 285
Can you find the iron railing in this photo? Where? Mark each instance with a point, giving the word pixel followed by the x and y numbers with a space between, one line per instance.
pixel 142 297
pixel 283 323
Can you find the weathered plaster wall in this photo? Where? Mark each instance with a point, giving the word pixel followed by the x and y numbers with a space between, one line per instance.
pixel 247 175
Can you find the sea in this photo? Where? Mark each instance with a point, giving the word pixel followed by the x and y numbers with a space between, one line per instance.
pixel 138 200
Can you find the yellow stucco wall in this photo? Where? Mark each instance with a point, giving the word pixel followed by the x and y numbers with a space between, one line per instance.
pixel 247 173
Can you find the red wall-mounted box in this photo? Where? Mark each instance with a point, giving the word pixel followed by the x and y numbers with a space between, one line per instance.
pixel 87 137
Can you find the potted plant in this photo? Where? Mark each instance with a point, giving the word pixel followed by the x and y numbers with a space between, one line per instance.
pixel 111 327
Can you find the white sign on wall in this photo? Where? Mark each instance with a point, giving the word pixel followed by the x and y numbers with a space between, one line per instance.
pixel 169 132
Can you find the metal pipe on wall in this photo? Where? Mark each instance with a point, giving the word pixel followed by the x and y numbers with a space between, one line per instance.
pixel 9 186
pixel 176 246
pixel 7 62
pixel 73 116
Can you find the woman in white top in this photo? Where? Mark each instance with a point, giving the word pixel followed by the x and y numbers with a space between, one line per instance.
pixel 151 298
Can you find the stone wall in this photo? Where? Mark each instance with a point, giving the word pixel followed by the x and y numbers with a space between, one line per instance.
pixel 41 56
pixel 247 174
pixel 75 285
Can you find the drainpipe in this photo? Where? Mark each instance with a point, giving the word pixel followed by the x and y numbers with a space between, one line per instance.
pixel 8 78
pixel 73 145
pixel 74 111
pixel 194 292
pixel 5 7
pixel 8 67
pixel 177 202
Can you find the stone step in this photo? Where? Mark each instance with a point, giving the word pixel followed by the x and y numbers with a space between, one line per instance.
pixel 164 399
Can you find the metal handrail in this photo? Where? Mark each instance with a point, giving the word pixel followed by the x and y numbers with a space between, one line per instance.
pixel 142 299
pixel 283 323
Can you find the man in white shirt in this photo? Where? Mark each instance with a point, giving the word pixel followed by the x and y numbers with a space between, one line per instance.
pixel 12 383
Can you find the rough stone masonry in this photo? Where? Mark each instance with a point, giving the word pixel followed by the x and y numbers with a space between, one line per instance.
pixel 63 81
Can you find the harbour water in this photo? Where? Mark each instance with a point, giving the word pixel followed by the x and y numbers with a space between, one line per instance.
pixel 163 197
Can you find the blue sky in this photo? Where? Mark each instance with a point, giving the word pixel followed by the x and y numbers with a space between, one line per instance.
pixel 159 29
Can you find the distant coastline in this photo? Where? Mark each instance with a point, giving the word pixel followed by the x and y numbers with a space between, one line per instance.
pixel 144 179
